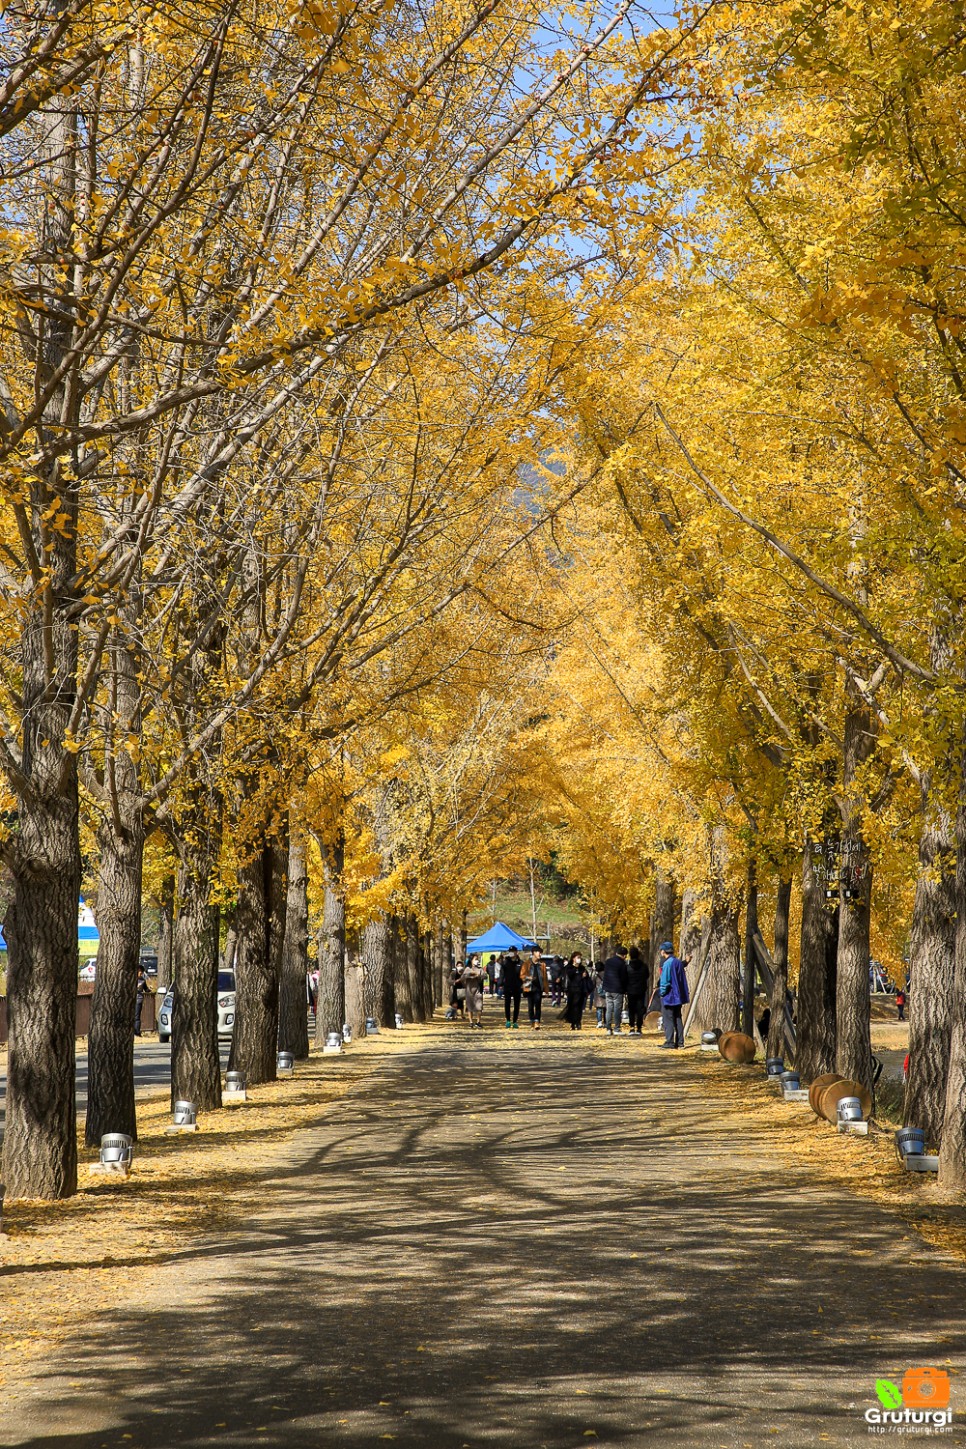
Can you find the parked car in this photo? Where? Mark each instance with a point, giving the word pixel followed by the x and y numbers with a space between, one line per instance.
pixel 226 1007
pixel 149 962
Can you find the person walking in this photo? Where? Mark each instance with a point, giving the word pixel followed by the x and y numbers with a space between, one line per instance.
pixel 637 974
pixel 457 996
pixel 901 1004
pixel 575 985
pixel 615 989
pixel 473 975
pixel 512 988
pixel 535 985
pixel 674 992
pixel 140 990
pixel 598 995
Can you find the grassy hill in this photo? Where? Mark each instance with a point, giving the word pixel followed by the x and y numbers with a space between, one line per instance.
pixel 558 915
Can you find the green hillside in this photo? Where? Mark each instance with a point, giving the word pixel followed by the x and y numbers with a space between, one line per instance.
pixel 557 915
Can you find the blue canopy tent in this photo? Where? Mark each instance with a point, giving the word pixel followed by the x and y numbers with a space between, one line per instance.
pixel 499 938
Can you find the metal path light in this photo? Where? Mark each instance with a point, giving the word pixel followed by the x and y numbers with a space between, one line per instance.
pixel 285 1063
pixel 117 1150
pixel 185 1118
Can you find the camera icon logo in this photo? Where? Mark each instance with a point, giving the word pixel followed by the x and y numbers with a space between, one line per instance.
pixel 925 1388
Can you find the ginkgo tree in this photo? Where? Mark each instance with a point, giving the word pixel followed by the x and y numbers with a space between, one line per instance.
pixel 175 280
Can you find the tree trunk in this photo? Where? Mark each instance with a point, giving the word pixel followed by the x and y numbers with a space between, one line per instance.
pixel 378 972
pixel 260 926
pixel 227 956
pixel 748 959
pixel 331 1012
pixel 355 1006
pixel 815 1016
pixel 402 967
pixel 691 935
pixel 293 1003
pixel 853 1042
pixel 718 1006
pixel 426 999
pixel 440 965
pixel 195 1064
pixel 110 1092
pixel 952 1153
pixel 120 838
pixel 932 962
pixel 448 959
pixel 166 935
pixel 775 1046
pixel 662 920
pixel 40 1136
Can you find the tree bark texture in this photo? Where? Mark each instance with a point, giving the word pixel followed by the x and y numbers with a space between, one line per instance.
pixel 110 1091
pixel 691 928
pixel 440 964
pixel 40 1136
pixel 718 1006
pixel 378 971
pixel 355 1005
pixel 120 839
pixel 195 1064
pixel 853 1042
pixel 932 964
pixel 403 965
pixel 748 957
pixel 815 1016
pixel 293 1017
pixel 662 919
pixel 331 1011
pixel 775 1046
pixel 952 1152
pixel 259 919
pixel 427 999
pixel 166 936
pixel 230 951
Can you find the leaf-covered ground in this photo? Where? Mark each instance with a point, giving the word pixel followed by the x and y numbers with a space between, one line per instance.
pixel 450 1237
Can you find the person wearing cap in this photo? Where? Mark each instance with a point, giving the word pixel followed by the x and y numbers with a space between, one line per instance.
pixel 673 988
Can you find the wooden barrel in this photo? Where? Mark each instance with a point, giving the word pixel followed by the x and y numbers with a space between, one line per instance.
pixel 735 1047
pixel 818 1087
pixel 831 1096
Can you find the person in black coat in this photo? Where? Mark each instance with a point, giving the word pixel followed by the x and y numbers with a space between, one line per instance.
pixel 615 989
pixel 512 988
pixel 575 985
pixel 637 979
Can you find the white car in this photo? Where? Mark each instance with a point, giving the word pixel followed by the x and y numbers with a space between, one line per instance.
pixel 226 1007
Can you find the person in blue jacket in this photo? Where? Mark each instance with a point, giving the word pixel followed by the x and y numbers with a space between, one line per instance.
pixel 673 988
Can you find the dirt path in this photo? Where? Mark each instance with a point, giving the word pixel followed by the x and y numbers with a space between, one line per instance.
pixel 514 1241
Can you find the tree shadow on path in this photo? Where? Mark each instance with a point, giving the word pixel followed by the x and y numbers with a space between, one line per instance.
pixel 518 1248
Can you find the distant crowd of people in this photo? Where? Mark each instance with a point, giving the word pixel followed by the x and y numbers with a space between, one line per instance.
pixel 618 986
